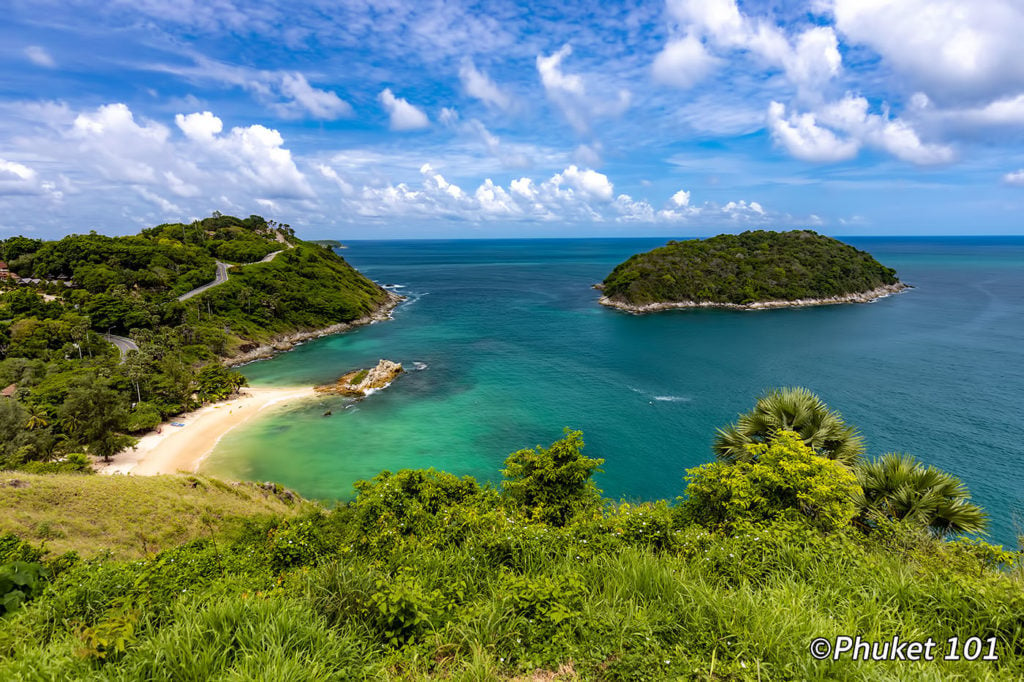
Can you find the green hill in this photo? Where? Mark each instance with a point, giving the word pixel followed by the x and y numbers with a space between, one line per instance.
pixel 75 392
pixel 745 270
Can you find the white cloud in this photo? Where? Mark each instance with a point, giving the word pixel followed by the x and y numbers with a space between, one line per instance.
pixel 287 93
pixel 18 179
pixel 1015 178
pixel 952 49
pixel 684 63
pixel 320 104
pixel 329 173
pixel 403 116
pixel 591 183
pixel 892 135
pixel 40 57
pixel 569 92
pixel 809 60
pixel 813 136
pixel 199 126
pixel 680 199
pixel 803 138
pixel 114 158
pixel 479 85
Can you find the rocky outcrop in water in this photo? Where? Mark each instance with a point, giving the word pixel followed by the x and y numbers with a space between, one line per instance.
pixel 360 382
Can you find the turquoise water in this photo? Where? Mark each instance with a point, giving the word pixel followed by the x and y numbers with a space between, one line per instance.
pixel 513 347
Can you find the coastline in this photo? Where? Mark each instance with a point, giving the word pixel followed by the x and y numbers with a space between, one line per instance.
pixel 172 449
pixel 285 342
pixel 856 297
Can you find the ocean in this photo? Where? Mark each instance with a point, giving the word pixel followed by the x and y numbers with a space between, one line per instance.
pixel 506 345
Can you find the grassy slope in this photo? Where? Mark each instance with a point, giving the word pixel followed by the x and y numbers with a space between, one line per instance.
pixel 129 516
pixel 474 593
pixel 753 266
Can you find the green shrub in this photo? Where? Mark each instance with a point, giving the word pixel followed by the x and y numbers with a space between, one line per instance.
pixel 781 479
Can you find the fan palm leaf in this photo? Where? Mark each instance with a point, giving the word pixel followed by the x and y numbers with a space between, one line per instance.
pixel 791 409
pixel 896 486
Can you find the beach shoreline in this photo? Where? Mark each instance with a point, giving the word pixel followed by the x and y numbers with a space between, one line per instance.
pixel 857 297
pixel 173 449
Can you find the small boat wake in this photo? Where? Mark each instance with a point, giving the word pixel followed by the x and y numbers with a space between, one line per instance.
pixel 661 398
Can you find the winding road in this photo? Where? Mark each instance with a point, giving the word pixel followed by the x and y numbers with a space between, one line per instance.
pixel 222 276
pixel 123 344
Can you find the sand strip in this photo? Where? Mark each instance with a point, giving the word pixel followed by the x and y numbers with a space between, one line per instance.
pixel 170 449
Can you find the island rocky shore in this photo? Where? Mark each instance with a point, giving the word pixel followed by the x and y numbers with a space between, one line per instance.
pixel 286 342
pixel 856 297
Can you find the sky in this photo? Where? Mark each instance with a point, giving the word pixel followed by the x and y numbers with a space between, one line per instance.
pixel 384 119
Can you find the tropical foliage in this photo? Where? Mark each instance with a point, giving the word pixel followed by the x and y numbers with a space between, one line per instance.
pixel 53 350
pixel 898 487
pixel 790 409
pixel 753 266
pixel 429 575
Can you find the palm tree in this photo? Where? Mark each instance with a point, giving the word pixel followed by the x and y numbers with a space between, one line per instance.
pixel 898 487
pixel 791 409
pixel 37 419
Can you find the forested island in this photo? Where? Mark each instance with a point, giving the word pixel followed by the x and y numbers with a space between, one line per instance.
pixel 752 270
pixel 103 337
pixel 793 533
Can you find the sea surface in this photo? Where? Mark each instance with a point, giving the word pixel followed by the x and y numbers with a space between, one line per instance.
pixel 506 345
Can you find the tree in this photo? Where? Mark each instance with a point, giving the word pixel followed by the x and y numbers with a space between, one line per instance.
pixel 791 409
pixel 554 484
pixel 898 487
pixel 94 414
pixel 782 479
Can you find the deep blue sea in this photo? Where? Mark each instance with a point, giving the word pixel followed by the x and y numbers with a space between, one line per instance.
pixel 512 346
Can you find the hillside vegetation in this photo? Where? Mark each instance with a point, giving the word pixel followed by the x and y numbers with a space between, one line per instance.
pixel 73 390
pixel 131 517
pixel 789 536
pixel 746 268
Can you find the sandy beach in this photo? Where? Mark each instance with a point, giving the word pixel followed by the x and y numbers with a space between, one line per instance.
pixel 172 449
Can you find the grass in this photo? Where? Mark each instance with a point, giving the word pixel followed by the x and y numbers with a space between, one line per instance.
pixel 127 516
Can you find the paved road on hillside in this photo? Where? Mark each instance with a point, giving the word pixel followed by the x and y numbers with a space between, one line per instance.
pixel 123 344
pixel 222 276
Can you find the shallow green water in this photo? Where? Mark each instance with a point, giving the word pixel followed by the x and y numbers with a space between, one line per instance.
pixel 513 347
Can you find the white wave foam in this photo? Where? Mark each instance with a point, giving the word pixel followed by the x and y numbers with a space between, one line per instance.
pixel 419 365
pixel 672 398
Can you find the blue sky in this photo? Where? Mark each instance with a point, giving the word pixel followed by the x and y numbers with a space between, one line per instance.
pixel 389 119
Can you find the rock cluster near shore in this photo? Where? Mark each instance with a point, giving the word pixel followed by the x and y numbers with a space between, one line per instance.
pixel 286 342
pixel 856 297
pixel 360 382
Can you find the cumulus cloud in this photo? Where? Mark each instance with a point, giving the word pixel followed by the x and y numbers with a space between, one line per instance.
pixel 569 92
pixel 199 126
pixel 956 49
pixel 1015 178
pixel 809 59
pixel 111 155
pixel 18 179
pixel 573 194
pixel 838 130
pixel 40 57
pixel 479 85
pixel 684 63
pixel 802 137
pixel 403 116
